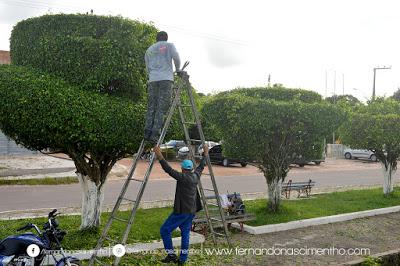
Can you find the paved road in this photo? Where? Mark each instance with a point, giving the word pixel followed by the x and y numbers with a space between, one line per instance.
pixel 36 197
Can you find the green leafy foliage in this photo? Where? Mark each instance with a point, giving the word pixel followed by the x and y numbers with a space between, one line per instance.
pixel 375 127
pixel 60 92
pixel 99 53
pixel 43 112
pixel 277 92
pixel 258 128
pixel 396 95
pixel 251 121
pixel 343 99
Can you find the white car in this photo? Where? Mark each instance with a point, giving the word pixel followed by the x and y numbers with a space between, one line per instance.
pixel 184 151
pixel 358 154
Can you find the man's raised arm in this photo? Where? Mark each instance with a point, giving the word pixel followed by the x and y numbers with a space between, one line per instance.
pixel 200 168
pixel 165 166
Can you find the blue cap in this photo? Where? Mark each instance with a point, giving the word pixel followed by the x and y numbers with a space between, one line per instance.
pixel 187 164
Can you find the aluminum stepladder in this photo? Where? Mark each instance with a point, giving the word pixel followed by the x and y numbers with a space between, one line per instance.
pixel 211 221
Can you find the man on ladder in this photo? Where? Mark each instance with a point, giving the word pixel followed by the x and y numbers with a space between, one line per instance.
pixel 184 200
pixel 158 59
pixel 187 202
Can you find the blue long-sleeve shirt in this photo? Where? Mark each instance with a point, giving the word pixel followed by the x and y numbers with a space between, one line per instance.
pixel 159 59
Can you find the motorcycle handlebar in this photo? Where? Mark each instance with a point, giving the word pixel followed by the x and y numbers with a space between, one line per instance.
pixel 51 214
pixel 28 226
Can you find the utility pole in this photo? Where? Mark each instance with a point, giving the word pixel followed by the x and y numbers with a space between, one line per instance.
pixel 334 102
pixel 326 83
pixel 343 82
pixel 373 86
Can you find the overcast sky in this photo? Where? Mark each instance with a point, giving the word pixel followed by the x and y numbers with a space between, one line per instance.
pixel 239 43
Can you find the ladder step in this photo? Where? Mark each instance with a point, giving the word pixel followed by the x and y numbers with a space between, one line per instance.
pixel 209 189
pixel 213 204
pixel 121 219
pixel 215 219
pixel 190 123
pixel 131 200
pixel 195 140
pixel 186 105
pixel 135 179
pixel 219 234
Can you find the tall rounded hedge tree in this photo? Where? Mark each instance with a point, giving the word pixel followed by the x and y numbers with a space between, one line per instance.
pixel 270 127
pixel 76 85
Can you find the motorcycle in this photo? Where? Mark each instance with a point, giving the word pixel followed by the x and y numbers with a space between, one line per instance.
pixel 13 249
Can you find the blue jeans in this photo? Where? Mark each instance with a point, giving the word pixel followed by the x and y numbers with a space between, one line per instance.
pixel 184 222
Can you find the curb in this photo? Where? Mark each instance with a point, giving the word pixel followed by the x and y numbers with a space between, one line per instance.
pixel 195 238
pixel 271 228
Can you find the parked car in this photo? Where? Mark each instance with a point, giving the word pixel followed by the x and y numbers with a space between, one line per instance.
pixel 184 151
pixel 301 161
pixel 173 144
pixel 216 156
pixel 359 153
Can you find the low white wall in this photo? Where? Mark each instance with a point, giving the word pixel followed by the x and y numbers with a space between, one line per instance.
pixel 335 150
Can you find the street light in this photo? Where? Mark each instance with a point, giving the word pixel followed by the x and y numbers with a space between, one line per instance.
pixel 373 86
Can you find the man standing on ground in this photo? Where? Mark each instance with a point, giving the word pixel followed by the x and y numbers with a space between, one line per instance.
pixel 158 60
pixel 187 203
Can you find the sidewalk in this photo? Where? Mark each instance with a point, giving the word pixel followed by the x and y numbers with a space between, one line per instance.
pixel 377 234
pixel 59 165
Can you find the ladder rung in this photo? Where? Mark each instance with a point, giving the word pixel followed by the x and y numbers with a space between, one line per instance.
pixel 120 219
pixel 216 219
pixel 186 105
pixel 212 204
pixel 195 140
pixel 131 200
pixel 190 123
pixel 135 179
pixel 206 174
pixel 219 234
pixel 212 209
pixel 100 262
pixel 209 189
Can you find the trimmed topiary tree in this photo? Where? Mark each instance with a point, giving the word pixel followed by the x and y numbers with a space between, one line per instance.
pixel 270 131
pixel 376 127
pixel 76 86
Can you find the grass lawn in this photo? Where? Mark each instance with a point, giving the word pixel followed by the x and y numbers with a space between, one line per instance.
pixel 322 205
pixel 40 181
pixel 149 221
pixel 146 227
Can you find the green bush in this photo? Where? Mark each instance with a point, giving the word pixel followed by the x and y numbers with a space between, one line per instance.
pixel 269 132
pixel 41 112
pixel 277 92
pixel 99 53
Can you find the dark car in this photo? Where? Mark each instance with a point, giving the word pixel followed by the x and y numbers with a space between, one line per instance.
pixel 216 156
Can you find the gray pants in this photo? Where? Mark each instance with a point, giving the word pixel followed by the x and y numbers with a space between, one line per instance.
pixel 158 103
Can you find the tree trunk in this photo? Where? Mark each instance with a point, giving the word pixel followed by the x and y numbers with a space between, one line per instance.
pixel 274 194
pixel 92 200
pixel 388 172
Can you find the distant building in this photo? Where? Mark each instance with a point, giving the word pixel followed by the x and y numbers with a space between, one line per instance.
pixel 5 58
pixel 7 146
